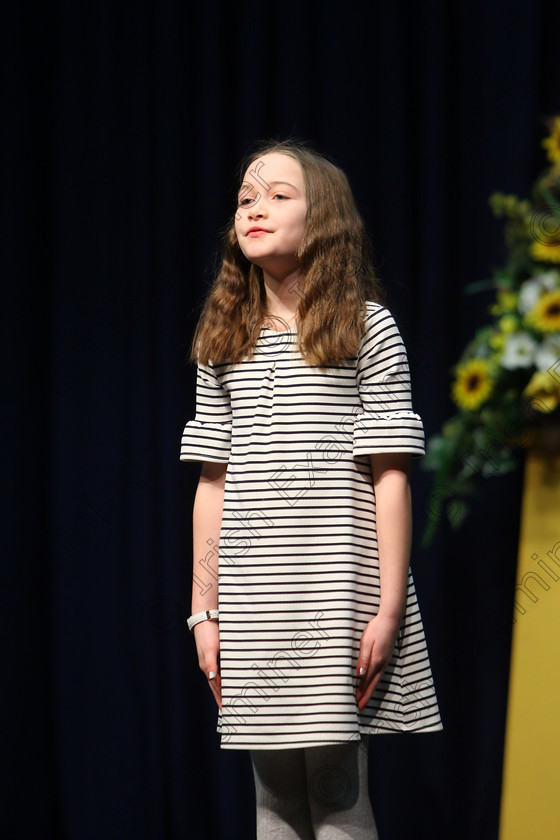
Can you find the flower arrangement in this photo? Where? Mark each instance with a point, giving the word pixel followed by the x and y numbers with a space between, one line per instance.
pixel 506 384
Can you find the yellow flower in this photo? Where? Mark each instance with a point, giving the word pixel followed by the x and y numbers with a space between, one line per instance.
pixel 508 301
pixel 508 205
pixel 545 315
pixel 546 251
pixel 543 392
pixel 497 340
pixel 552 143
pixel 505 302
pixel 472 385
pixel 508 324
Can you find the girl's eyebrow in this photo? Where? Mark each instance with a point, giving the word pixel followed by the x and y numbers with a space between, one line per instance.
pixel 246 186
pixel 287 183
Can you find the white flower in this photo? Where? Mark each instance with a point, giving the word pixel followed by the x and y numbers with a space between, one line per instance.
pixel 531 290
pixel 549 280
pixel 519 351
pixel 529 293
pixel 548 353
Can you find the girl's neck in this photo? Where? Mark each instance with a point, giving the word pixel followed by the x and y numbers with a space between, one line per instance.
pixel 283 294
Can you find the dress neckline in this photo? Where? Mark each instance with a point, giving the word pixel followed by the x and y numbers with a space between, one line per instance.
pixel 279 332
pixel 288 326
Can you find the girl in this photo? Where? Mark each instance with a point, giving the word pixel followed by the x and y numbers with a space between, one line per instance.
pixel 305 429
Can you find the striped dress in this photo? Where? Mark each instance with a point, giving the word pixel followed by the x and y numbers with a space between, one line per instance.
pixel 298 571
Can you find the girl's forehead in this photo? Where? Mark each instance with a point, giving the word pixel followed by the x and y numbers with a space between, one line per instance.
pixel 274 166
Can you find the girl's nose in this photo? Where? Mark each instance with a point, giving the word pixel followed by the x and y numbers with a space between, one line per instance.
pixel 257 211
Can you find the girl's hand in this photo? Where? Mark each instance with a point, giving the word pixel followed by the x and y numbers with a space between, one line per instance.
pixel 376 648
pixel 207 638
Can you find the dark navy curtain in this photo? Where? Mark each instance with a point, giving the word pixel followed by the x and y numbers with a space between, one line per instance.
pixel 122 128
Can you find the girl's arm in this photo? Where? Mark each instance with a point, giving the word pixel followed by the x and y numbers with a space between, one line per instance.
pixel 391 473
pixel 207 519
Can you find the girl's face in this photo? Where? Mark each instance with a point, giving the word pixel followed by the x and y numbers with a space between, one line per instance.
pixel 271 212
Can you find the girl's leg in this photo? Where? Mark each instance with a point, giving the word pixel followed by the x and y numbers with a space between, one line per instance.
pixel 337 780
pixel 281 790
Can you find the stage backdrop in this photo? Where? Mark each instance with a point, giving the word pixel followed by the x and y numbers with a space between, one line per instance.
pixel 123 124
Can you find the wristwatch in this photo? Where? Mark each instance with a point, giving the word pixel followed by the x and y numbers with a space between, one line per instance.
pixel 206 615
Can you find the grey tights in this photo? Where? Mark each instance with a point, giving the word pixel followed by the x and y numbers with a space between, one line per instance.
pixel 313 793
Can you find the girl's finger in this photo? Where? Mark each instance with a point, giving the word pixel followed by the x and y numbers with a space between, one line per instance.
pixel 215 683
pixel 364 657
pixel 362 672
pixel 362 667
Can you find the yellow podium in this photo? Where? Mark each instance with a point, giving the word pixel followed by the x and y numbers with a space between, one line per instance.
pixel 530 802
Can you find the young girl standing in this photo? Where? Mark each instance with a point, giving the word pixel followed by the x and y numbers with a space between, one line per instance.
pixel 307 625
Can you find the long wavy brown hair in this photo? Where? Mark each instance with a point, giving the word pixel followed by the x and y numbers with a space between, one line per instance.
pixel 337 275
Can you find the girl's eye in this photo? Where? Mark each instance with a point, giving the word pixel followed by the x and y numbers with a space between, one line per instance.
pixel 245 202
pixel 280 195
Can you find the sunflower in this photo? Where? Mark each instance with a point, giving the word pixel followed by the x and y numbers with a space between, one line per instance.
pixel 472 385
pixel 546 251
pixel 552 143
pixel 545 315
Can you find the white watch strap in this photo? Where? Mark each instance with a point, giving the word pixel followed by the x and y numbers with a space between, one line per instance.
pixel 206 615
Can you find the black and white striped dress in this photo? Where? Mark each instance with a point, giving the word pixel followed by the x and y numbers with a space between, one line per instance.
pixel 298 561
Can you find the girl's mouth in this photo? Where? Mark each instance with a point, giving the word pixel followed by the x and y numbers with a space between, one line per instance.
pixel 256 232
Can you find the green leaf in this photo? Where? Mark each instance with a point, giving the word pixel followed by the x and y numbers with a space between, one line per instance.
pixel 479 286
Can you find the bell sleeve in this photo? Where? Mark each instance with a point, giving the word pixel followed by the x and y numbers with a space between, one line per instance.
pixel 385 422
pixel 208 436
